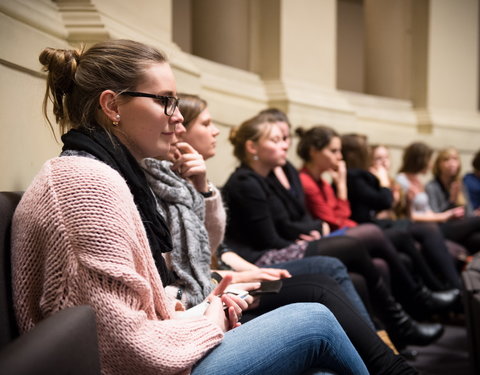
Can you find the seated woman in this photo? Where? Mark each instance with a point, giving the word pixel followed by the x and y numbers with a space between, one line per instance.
pixel 445 190
pixel 184 211
pixel 201 133
pixel 471 181
pixel 381 167
pixel 87 232
pixel 453 223
pixel 369 195
pixel 259 228
pixel 320 148
pixel 285 183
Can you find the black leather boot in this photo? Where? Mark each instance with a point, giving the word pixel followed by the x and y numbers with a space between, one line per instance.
pixel 403 330
pixel 450 295
pixel 425 302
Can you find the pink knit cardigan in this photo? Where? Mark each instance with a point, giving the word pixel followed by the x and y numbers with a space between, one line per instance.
pixel 77 238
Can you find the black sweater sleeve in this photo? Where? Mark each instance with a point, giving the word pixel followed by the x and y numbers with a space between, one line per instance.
pixel 366 195
pixel 251 220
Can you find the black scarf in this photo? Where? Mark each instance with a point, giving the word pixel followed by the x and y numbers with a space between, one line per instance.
pixel 112 152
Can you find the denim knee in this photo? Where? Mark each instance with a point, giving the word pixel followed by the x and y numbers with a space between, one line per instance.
pixel 313 318
pixel 331 266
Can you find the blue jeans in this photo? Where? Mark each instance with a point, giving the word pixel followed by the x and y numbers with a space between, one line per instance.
pixel 332 267
pixel 289 340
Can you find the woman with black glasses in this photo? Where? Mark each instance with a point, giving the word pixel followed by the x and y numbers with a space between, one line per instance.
pixel 87 231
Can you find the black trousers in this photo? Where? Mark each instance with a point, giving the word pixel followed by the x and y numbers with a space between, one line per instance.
pixel 426 249
pixel 435 251
pixel 351 252
pixel 465 231
pixel 378 358
pixel 378 245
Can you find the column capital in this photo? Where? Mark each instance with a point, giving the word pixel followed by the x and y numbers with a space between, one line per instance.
pixel 82 21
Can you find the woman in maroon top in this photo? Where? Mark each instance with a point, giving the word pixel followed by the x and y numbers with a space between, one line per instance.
pixel 321 150
pixel 259 225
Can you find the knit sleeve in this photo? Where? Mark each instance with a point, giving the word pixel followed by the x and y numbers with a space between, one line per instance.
pixel 87 245
pixel 215 219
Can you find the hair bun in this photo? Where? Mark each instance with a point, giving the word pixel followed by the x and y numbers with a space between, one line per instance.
pixel 233 135
pixel 300 131
pixel 61 65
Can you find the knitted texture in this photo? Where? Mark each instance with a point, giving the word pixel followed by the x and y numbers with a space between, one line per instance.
pixel 185 211
pixel 77 238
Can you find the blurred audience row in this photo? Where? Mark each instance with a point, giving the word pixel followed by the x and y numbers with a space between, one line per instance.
pixel 283 271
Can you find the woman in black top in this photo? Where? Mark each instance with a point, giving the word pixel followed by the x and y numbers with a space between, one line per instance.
pixel 260 229
pixel 369 195
pixel 320 279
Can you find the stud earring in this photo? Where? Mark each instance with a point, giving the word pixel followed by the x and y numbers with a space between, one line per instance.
pixel 255 157
pixel 115 123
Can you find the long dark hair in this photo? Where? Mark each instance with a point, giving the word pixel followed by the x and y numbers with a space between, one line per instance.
pixel 416 157
pixel 355 151
pixel 316 138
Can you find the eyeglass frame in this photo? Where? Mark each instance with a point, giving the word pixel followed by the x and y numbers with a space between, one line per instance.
pixel 164 99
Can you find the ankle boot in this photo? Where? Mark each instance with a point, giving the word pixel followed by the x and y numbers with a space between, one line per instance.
pixel 405 331
pixel 428 302
pixel 450 295
pixel 402 329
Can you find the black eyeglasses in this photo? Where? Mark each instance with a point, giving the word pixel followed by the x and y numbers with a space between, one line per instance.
pixel 170 103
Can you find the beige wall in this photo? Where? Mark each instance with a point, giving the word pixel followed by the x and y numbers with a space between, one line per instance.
pixel 288 56
pixel 350 45
pixel 25 140
pixel 226 22
pixel 149 17
pixel 388 47
pixel 453 51
pixel 308 44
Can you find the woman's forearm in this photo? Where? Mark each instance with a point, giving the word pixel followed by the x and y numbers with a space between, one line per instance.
pixel 431 217
pixel 237 262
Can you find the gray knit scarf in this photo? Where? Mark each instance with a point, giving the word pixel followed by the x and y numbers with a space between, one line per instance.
pixel 185 212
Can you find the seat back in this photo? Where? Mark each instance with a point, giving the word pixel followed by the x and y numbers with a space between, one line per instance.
pixel 64 343
pixel 8 326
pixel 471 302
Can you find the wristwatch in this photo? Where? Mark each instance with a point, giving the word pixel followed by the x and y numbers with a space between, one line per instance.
pixel 209 192
pixel 179 294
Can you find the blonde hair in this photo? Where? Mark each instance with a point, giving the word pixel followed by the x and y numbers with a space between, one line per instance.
pixel 76 78
pixel 252 129
pixel 443 155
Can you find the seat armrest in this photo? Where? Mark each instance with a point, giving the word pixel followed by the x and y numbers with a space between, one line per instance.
pixel 64 343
